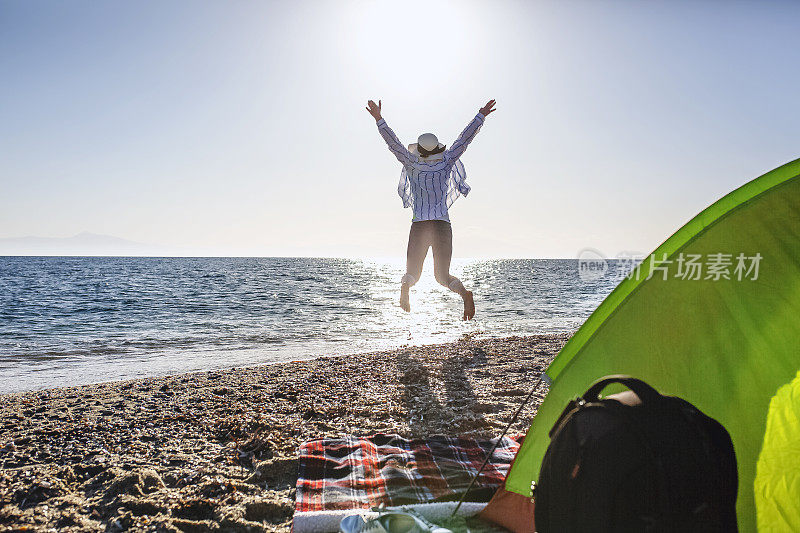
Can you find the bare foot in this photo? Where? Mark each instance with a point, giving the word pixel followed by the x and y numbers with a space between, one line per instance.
pixel 404 303
pixel 469 306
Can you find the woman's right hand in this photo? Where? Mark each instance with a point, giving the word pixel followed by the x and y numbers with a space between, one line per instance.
pixel 485 110
pixel 374 109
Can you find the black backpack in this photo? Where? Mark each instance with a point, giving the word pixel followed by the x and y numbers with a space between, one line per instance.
pixel 636 462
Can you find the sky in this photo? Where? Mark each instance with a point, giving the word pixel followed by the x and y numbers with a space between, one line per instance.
pixel 239 128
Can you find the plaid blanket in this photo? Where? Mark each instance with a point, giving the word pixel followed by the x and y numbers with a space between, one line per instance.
pixel 359 473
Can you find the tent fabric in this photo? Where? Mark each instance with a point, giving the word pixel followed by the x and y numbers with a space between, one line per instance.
pixel 777 485
pixel 725 345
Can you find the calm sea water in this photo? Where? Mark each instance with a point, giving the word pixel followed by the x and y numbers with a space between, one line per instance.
pixel 77 320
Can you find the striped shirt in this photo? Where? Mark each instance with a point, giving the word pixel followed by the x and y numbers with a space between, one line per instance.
pixel 430 185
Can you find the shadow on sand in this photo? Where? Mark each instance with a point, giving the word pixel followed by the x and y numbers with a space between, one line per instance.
pixel 458 410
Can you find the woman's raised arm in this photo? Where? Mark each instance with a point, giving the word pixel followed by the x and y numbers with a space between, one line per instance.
pixel 469 132
pixel 395 146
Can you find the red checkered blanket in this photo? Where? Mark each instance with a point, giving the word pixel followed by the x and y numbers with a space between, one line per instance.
pixel 359 473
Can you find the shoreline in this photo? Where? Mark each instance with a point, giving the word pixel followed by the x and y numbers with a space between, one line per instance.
pixel 310 355
pixel 216 449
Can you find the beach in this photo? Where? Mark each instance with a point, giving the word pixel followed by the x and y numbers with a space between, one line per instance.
pixel 215 450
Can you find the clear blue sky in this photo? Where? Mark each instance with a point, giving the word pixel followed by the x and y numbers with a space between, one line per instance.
pixel 239 127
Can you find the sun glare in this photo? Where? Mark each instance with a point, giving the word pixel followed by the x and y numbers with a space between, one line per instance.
pixel 390 41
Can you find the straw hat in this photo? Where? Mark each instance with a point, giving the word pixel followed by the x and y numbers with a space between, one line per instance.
pixel 427 147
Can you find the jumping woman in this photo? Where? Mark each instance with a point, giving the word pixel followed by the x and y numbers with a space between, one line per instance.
pixel 431 180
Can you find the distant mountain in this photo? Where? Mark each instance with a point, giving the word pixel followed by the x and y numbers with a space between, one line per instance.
pixel 84 243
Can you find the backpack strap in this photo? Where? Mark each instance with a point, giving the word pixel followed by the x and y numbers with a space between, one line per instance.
pixel 646 393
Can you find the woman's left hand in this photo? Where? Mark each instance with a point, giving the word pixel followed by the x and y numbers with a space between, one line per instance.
pixel 374 109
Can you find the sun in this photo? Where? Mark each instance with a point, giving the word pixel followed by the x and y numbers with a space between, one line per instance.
pixel 401 43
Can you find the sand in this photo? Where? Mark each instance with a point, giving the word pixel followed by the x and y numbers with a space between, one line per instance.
pixel 215 451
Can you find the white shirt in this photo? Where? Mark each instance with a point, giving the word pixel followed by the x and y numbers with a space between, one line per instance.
pixel 427 185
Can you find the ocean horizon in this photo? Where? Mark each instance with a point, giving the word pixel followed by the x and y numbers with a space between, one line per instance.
pixel 74 320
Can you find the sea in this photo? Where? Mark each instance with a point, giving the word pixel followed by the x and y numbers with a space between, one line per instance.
pixel 76 320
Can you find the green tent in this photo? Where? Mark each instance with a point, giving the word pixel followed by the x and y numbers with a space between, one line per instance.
pixel 777 486
pixel 726 345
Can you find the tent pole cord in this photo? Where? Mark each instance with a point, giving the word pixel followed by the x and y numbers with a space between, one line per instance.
pixel 496 444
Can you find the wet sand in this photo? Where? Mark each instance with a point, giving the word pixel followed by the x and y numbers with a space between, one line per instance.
pixel 215 451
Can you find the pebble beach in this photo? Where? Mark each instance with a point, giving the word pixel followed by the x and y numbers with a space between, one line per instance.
pixel 215 451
